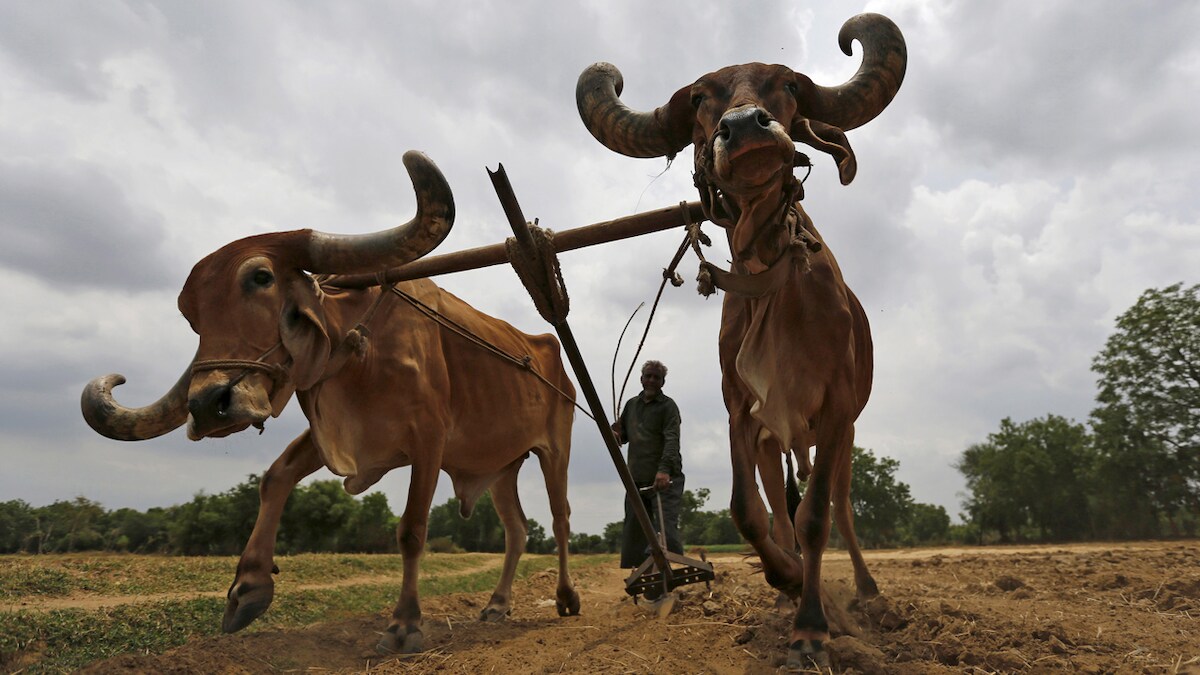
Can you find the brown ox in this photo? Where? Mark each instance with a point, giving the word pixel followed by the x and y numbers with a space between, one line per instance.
pixel 795 347
pixel 420 394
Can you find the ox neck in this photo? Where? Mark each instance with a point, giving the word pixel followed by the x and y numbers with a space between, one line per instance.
pixel 764 226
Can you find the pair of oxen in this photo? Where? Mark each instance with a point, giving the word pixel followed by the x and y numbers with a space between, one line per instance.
pixel 795 348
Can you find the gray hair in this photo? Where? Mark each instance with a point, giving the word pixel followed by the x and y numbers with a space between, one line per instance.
pixel 655 364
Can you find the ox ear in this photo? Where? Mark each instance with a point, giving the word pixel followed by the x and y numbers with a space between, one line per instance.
pixel 678 119
pixel 829 139
pixel 302 330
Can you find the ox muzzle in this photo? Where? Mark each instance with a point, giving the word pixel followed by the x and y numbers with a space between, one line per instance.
pixel 748 128
pixel 219 405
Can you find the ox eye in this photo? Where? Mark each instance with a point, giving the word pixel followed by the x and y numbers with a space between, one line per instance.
pixel 263 278
pixel 697 99
pixel 791 88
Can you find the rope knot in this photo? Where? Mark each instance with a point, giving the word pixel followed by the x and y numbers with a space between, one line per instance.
pixel 540 273
pixel 358 340
pixel 704 282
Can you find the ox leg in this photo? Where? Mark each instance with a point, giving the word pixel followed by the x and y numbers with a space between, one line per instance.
pixel 403 634
pixel 810 630
pixel 783 531
pixel 780 566
pixel 512 517
pixel 771 471
pixel 844 516
pixel 554 470
pixel 253 589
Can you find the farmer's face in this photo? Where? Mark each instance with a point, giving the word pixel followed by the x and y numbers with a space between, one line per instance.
pixel 652 380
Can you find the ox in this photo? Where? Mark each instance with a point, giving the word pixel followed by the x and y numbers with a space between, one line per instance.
pixel 419 394
pixel 795 348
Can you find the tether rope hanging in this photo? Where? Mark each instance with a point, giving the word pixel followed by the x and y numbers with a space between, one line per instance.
pixel 524 363
pixel 693 237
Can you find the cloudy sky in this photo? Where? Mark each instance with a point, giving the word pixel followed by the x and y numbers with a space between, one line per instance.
pixel 1035 174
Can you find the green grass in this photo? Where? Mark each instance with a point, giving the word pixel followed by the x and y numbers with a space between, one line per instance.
pixel 25 576
pixel 66 639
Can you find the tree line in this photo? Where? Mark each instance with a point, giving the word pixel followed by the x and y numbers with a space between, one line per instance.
pixel 1133 471
pixel 322 517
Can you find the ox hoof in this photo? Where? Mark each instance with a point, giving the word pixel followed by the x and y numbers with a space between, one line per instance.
pixel 867 588
pixel 494 614
pixel 784 603
pixel 568 605
pixel 804 655
pixel 412 642
pixel 245 603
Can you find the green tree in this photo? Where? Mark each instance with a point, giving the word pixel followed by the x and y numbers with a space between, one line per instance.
pixel 926 524
pixel 881 504
pixel 65 526
pixel 693 521
pixel 138 532
pixel 17 525
pixel 371 528
pixel 612 536
pixel 1030 480
pixel 482 532
pixel 582 542
pixel 215 524
pixel 317 517
pixel 719 529
pixel 1147 422
pixel 536 540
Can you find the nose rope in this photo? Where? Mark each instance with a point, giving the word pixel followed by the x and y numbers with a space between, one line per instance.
pixel 277 371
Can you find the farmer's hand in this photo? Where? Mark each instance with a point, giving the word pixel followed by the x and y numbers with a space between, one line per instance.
pixel 616 429
pixel 662 481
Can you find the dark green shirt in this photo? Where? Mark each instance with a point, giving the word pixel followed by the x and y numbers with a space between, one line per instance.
pixel 652 430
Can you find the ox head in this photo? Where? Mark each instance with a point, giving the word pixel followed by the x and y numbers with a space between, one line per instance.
pixel 262 326
pixel 743 120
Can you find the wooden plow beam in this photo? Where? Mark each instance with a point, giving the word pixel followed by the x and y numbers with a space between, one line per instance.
pixel 495 254
pixel 656 577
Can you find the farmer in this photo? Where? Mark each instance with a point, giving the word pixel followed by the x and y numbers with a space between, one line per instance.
pixel 650 424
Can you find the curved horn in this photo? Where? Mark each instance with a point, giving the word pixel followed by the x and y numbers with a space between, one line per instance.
pixel 665 131
pixel 865 95
pixel 114 420
pixel 350 254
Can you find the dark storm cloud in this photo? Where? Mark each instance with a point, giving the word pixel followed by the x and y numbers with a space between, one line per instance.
pixel 70 223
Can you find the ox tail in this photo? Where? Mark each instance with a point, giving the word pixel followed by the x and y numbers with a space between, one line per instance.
pixel 793 490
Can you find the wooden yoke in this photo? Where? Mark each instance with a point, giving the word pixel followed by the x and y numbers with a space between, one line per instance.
pixel 567 240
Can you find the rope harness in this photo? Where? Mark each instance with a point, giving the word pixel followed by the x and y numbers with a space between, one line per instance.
pixel 524 363
pixel 719 209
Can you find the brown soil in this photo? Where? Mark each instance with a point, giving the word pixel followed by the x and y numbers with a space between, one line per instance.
pixel 1072 609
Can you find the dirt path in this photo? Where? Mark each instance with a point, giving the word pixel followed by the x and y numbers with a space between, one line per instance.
pixel 1061 609
pixel 88 601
